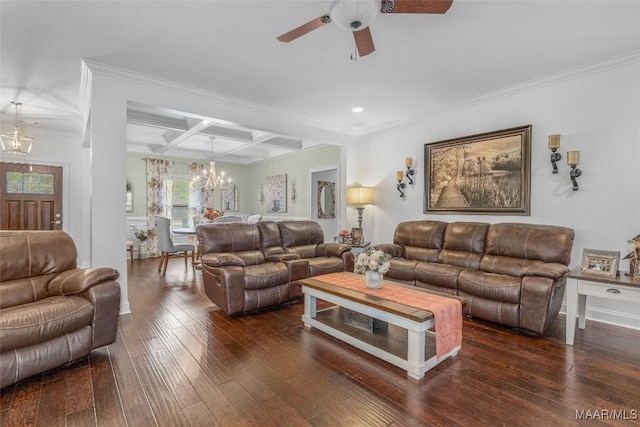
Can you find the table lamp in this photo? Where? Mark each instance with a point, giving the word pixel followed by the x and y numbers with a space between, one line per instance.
pixel 360 196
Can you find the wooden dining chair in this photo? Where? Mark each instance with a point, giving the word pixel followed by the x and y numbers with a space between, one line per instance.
pixel 166 246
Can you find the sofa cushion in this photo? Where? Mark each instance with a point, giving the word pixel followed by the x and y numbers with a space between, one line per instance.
pixel 303 251
pixel 229 237
pixel 463 244
pixel 517 267
pixel 422 239
pixel 25 254
pixel 325 265
pixel 402 269
pixel 546 243
pixel 495 287
pixel 32 323
pixel 22 291
pixel 442 275
pixel 265 275
pixel 300 233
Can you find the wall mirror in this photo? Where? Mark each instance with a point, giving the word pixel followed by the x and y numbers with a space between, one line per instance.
pixel 229 199
pixel 326 199
pixel 129 196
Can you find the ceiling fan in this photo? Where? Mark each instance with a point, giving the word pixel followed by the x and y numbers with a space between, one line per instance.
pixel 357 15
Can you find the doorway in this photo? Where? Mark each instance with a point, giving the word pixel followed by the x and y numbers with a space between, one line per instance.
pixel 31 197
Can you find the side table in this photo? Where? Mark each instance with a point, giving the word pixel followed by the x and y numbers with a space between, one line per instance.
pixel 358 249
pixel 580 285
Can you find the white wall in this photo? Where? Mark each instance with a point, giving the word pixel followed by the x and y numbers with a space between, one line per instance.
pixel 597 114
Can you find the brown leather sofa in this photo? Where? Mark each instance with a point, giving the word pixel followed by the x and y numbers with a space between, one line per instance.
pixel 511 274
pixel 251 266
pixel 51 312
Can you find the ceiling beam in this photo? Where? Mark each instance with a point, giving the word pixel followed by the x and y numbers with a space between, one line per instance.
pixel 194 129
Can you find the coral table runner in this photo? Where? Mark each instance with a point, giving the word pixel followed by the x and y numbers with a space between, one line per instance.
pixel 447 312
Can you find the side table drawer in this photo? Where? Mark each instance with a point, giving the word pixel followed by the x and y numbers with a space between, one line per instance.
pixel 610 291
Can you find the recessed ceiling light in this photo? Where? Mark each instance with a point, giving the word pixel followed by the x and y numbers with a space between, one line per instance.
pixel 357 109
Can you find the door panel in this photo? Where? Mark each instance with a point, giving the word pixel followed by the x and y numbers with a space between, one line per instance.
pixel 31 197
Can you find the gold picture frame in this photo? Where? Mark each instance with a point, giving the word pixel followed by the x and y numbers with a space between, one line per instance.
pixel 600 263
pixel 488 173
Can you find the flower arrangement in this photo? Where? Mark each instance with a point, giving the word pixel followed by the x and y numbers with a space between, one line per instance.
pixel 142 235
pixel 210 213
pixel 345 234
pixel 373 260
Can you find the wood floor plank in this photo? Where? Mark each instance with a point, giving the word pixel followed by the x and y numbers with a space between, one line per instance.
pixel 166 410
pixel 52 408
pixel 179 360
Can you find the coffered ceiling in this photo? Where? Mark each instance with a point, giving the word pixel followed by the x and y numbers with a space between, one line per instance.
pixel 422 63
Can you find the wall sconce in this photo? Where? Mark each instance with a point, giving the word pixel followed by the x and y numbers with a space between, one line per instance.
pixel 261 197
pixel 294 192
pixel 554 144
pixel 410 172
pixel 401 185
pixel 573 158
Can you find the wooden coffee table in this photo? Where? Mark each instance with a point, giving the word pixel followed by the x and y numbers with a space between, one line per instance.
pixel 407 342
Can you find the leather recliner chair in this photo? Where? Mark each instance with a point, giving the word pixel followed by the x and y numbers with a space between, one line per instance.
pixel 51 312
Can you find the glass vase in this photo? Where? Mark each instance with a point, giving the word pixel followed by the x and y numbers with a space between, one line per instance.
pixel 373 279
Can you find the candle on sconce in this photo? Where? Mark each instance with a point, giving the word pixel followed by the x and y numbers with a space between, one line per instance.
pixel 408 162
pixel 554 142
pixel 399 175
pixel 573 158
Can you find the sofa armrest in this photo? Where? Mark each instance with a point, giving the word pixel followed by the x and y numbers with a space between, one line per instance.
pixel 552 270
pixel 396 251
pixel 298 269
pixel 105 298
pixel 332 249
pixel 79 279
pixel 282 257
pixel 221 260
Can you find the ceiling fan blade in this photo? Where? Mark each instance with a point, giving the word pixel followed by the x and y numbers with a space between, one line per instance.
pixel 364 41
pixel 305 28
pixel 421 6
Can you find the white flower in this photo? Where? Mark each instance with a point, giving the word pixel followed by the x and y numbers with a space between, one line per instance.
pixel 373 260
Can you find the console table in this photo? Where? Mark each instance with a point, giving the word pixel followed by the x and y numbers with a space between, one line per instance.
pixel 580 285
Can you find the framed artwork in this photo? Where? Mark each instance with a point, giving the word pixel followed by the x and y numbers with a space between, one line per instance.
pixel 326 199
pixel 275 192
pixel 229 199
pixel 488 173
pixel 600 263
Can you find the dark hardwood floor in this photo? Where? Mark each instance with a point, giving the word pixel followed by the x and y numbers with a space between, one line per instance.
pixel 179 360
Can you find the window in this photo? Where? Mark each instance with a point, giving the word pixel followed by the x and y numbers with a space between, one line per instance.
pixel 177 192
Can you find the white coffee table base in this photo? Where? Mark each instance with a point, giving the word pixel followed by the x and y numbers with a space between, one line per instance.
pixel 420 346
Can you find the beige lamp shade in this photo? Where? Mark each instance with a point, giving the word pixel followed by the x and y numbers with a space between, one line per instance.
pixel 360 196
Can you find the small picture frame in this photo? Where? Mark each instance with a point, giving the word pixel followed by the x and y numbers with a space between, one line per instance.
pixel 356 236
pixel 600 263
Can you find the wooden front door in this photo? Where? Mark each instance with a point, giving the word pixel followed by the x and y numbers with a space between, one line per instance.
pixel 31 197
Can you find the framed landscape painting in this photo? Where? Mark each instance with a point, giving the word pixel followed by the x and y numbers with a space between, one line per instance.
pixel 488 173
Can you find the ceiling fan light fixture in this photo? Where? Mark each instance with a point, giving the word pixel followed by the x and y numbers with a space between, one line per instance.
pixel 15 142
pixel 354 15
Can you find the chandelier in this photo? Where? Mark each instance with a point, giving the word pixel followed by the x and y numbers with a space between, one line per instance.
pixel 15 142
pixel 209 180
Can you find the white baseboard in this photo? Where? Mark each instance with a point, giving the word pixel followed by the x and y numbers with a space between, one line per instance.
pixel 611 317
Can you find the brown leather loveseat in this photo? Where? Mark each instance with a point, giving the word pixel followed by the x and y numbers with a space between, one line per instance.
pixel 51 312
pixel 251 266
pixel 511 274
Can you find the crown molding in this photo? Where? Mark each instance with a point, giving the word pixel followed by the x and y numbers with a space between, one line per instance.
pixel 167 85
pixel 552 79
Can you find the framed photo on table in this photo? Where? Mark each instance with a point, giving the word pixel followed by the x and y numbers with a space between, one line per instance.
pixel 356 236
pixel 600 263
